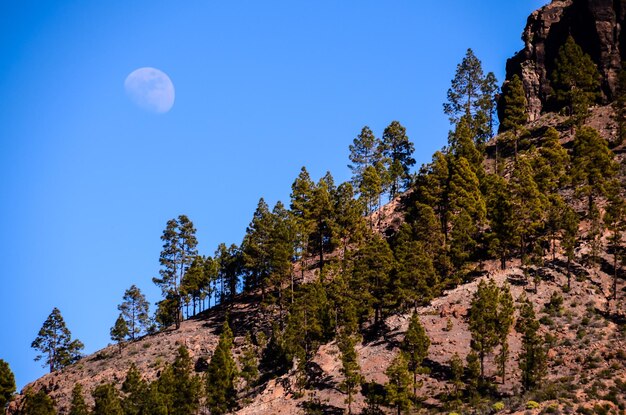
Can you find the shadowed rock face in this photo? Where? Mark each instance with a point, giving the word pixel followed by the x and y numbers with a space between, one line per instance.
pixel 596 25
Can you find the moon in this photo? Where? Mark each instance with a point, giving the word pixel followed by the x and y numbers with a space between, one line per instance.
pixel 150 89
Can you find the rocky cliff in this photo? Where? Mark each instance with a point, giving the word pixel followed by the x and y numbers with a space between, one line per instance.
pixel 596 25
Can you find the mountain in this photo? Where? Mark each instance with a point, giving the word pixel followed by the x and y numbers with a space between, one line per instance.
pixel 579 300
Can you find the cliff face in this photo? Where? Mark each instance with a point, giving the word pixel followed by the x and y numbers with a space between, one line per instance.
pixel 596 25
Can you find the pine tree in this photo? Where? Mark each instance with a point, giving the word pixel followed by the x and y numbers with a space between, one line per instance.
pixel 135 311
pixel 229 268
pixel 592 165
pixel 397 150
pixel 370 189
pixel 7 384
pixel 322 238
pixel 465 93
pixel 78 405
pixel 483 321
pixel 349 368
pixel 221 374
pixel 456 370
pixel 364 153
pixel 473 373
pixel 107 400
pixel 281 255
pixel 415 348
pixel 186 393
pixel 249 364
pixel 193 283
pixel 529 206
pixel 119 331
pixel 398 387
pixel 348 219
pixel 550 164
pixel 416 279
pixel 37 404
pixel 503 230
pixel 136 390
pixel 54 342
pixel 532 360
pixel 486 121
pixel 568 237
pixel 504 316
pixel 513 103
pixel 179 250
pixel 461 144
pixel 575 79
pixel 372 268
pixel 255 248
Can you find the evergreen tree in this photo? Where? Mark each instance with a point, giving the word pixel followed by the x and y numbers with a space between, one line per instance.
pixel 415 348
pixel 504 316
pixel 532 360
pixel 220 379
pixel 416 279
pixel 432 189
pixel 322 238
pixel 397 150
pixel 372 268
pixel 370 189
pixel 456 370
pixel 119 331
pixel 592 165
pixel 135 311
pixel 349 368
pixel 575 79
pixel 550 164
pixel 398 387
pixel 37 404
pixel 568 238
pixel 167 309
pixel 249 364
pixel 193 283
pixel 486 121
pixel 364 153
pixel 473 373
pixel 107 400
pixel 529 206
pixel 281 255
pixel 136 390
pixel 308 322
pixel 501 218
pixel 461 144
pixel 229 266
pixel 78 405
pixel 255 248
pixel 467 210
pixel 7 384
pixel 348 220
pixel 55 344
pixel 186 392
pixel 483 321
pixel 465 93
pixel 179 250
pixel 513 103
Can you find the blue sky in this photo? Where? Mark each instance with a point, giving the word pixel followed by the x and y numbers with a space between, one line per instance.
pixel 88 180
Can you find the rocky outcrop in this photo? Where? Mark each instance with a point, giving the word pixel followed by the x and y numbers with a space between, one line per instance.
pixel 596 25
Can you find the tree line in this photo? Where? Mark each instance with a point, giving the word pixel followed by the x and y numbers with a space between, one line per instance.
pixel 459 214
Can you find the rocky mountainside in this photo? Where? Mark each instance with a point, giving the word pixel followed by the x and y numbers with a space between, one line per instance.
pixel 596 25
pixel 583 325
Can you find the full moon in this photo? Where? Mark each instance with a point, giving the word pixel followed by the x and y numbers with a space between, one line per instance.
pixel 150 89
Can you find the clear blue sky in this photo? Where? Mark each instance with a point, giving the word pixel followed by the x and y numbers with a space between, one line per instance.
pixel 88 180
